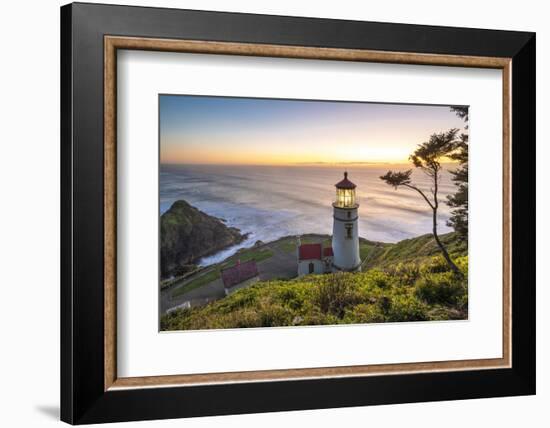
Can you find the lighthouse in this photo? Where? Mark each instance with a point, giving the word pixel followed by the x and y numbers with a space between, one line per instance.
pixel 345 230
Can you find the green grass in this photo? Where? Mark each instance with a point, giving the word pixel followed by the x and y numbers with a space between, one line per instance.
pixel 419 249
pixel 368 250
pixel 251 254
pixel 314 239
pixel 413 291
pixel 214 273
pixel 381 254
pixel 287 245
pixel 199 281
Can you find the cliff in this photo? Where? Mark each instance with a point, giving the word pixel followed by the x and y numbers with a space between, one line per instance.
pixel 187 234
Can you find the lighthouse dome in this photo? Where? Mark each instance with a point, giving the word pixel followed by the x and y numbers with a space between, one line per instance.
pixel 345 183
pixel 345 194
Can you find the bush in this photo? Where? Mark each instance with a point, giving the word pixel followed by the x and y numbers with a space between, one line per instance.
pixel 378 278
pixel 241 299
pixel 407 308
pixel 405 274
pixel 274 316
pixel 336 294
pixel 364 313
pixel 292 297
pixel 444 289
pixel 434 265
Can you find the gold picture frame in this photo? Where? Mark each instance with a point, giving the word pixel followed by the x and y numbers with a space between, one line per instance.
pixel 114 43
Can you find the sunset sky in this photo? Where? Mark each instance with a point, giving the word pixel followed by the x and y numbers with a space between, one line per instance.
pixel 224 130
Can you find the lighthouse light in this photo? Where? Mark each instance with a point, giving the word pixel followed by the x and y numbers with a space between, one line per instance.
pixel 345 198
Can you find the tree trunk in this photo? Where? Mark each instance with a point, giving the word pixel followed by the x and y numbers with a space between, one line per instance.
pixel 454 267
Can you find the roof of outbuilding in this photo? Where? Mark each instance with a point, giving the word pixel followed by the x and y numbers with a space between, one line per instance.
pixel 327 252
pixel 310 252
pixel 345 183
pixel 239 273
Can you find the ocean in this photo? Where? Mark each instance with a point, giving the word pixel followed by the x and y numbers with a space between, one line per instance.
pixel 269 202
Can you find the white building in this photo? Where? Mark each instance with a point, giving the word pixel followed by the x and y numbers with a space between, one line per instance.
pixel 345 230
pixel 313 258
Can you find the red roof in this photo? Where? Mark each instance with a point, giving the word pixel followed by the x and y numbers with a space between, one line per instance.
pixel 310 252
pixel 327 252
pixel 239 273
pixel 345 183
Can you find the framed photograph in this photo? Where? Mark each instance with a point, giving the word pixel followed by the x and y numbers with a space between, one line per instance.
pixel 266 213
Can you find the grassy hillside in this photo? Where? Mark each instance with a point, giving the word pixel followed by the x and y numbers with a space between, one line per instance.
pixel 407 281
pixel 410 250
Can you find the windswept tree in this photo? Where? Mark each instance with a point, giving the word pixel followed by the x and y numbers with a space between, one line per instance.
pixel 427 157
pixel 458 201
pixel 462 112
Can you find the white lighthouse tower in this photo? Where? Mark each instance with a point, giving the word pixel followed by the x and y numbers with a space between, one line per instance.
pixel 345 231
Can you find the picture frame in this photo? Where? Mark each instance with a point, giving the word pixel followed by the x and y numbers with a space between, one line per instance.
pixel 91 391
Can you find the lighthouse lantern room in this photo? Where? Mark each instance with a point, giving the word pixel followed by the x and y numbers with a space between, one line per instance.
pixel 345 231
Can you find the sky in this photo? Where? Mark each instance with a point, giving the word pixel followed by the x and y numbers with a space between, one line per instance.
pixel 262 131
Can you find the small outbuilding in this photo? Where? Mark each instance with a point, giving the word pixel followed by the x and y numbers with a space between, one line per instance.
pixel 313 258
pixel 239 276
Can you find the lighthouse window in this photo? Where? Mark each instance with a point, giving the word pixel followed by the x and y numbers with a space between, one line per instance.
pixel 349 230
pixel 345 197
pixel 349 214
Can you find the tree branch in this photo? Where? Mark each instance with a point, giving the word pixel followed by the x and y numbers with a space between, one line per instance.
pixel 421 193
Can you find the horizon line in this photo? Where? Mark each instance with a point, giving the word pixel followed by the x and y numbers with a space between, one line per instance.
pixel 320 163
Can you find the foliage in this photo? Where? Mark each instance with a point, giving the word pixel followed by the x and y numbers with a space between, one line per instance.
pixel 419 290
pixel 427 157
pixel 439 289
pixel 459 200
pixel 462 112
pixel 398 178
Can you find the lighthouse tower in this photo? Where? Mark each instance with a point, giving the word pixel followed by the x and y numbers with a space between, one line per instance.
pixel 345 231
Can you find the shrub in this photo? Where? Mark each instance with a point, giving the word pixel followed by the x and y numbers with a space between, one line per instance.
pixel 385 304
pixel 462 263
pixel 275 315
pixel 407 308
pixel 336 294
pixel 434 265
pixel 241 299
pixel 442 289
pixel 364 313
pixel 405 274
pixel 291 297
pixel 378 278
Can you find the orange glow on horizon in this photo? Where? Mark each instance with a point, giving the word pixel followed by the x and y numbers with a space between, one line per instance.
pixel 271 153
pixel 205 155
